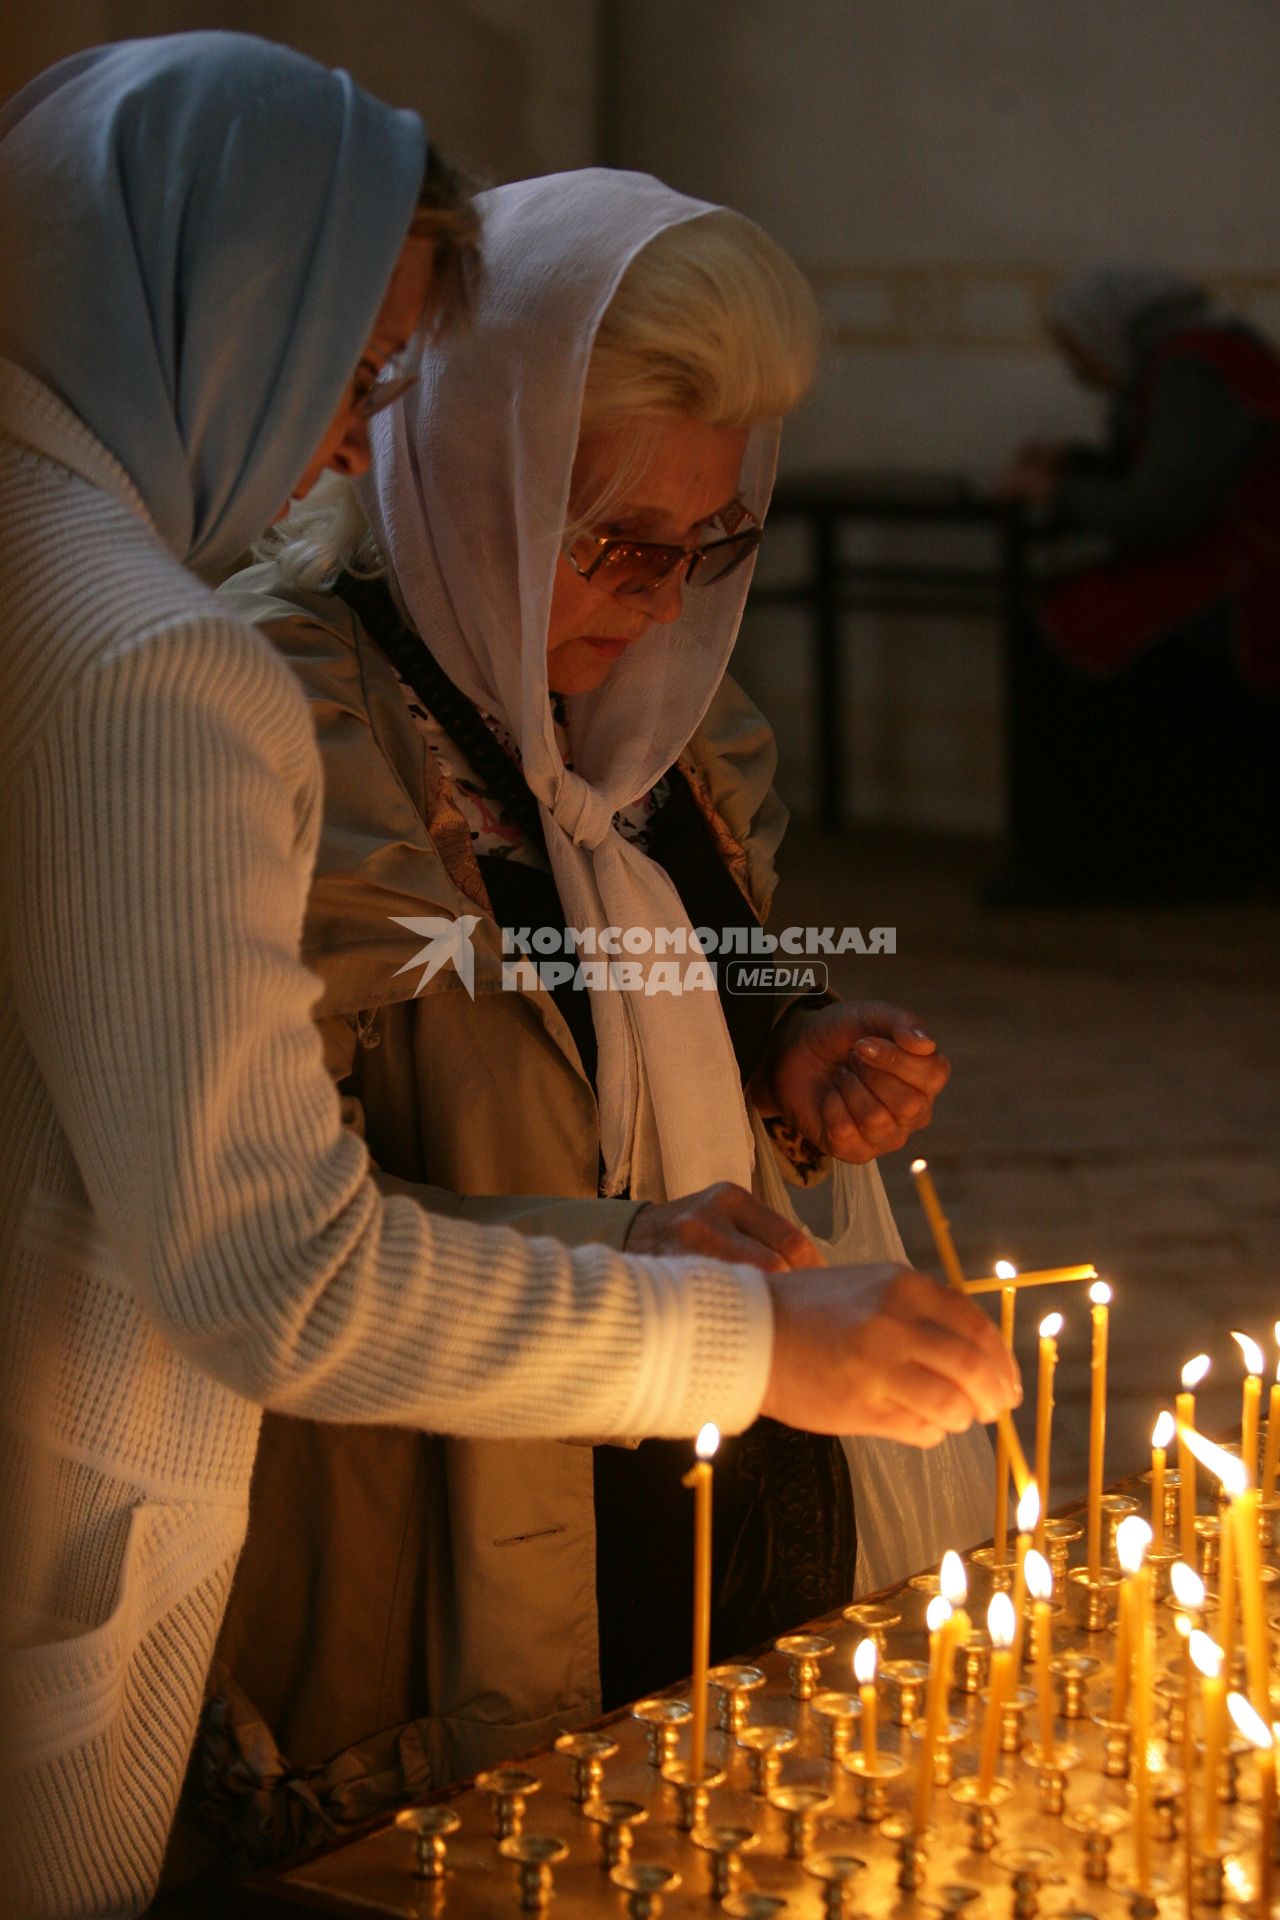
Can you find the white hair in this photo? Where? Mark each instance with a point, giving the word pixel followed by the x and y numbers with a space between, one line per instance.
pixel 711 320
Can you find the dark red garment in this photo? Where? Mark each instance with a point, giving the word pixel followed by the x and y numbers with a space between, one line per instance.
pixel 1104 618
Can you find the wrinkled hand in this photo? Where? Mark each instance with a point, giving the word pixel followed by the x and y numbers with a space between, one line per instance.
pixel 856 1078
pixel 723 1222
pixel 884 1351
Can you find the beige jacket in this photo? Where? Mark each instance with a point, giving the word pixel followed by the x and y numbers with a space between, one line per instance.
pixel 483 1106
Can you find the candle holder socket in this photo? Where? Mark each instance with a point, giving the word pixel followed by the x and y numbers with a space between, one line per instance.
pixel 1160 1566
pixel 906 1681
pixel 804 1653
pixel 724 1847
pixel 764 1747
pixel 733 1687
pixel 1117 1746
pixel 1051 1774
pixel 1115 1508
pixel 616 1821
pixel 800 1807
pixel 1172 1498
pixel 1168 1792
pixel 836 1714
pixel 1171 1692
pixel 981 1810
pixel 975 1660
pixel 929 1583
pixel 950 1734
pixel 535 1855
pixel 509 1788
pixel 586 1754
pixel 872 1775
pixel 1268 1524
pixel 430 1828
pixel 1097 1598
pixel 1208 1532
pixel 873 1618
pixel 1000 1572
pixel 1098 1823
pixel 1060 1537
pixel 1209 1874
pixel 1012 1715
pixel 692 1796
pixel 645 1886
pixel 838 1873
pixel 911 1845
pixel 662 1721
pixel 1027 1868
pixel 752 1904
pixel 1074 1670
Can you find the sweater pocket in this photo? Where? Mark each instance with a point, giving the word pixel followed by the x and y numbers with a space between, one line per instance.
pixel 101 1720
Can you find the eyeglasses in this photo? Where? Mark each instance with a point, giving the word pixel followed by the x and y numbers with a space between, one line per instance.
pixel 393 378
pixel 638 566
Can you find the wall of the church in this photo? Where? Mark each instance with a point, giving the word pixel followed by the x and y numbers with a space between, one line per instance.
pixel 937 166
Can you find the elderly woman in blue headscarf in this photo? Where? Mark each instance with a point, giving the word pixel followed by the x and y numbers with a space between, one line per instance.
pixel 1158 665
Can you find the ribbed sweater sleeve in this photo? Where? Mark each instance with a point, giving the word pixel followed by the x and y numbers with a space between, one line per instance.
pixel 167 821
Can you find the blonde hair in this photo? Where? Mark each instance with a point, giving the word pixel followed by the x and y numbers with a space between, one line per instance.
pixel 710 320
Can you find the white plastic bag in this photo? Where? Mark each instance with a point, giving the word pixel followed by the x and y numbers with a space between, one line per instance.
pixel 910 1504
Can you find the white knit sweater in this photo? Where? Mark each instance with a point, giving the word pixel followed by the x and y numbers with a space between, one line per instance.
pixel 187 1234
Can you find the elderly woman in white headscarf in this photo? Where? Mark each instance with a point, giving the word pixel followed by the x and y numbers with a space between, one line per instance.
pixel 1162 663
pixel 515 644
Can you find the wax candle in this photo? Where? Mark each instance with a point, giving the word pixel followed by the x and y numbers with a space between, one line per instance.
pixel 1251 1403
pixel 1133 1539
pixel 1040 1587
pixel 1207 1659
pixel 1261 1738
pixel 1100 1296
pixel 1160 1438
pixel 1228 1595
pixel 1000 1627
pixel 1242 1516
pixel 864 1672
pixel 1028 1514
pixel 1271 1460
pixel 1192 1374
pixel 1008 1308
pixel 699 1479
pixel 1037 1277
pixel 1189 1598
pixel 1050 1328
pixel 948 1625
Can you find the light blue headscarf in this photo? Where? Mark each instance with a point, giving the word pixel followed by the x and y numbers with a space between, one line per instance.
pixel 196 233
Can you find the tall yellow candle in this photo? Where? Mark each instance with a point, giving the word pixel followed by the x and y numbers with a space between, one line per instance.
pixel 1207 1659
pixel 1008 1310
pixel 1040 1587
pixel 1189 1598
pixel 1028 1514
pixel 1242 1516
pixel 1160 1438
pixel 1251 1402
pixel 1261 1738
pixel 699 1479
pixel 1100 1296
pixel 1123 1652
pixel 1192 1374
pixel 1271 1459
pixel 1037 1277
pixel 1000 1627
pixel 1050 1328
pixel 1228 1595
pixel 948 1631
pixel 1133 1539
pixel 864 1672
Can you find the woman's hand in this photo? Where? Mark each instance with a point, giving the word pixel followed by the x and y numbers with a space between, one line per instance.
pixel 723 1222
pixel 884 1351
pixel 856 1078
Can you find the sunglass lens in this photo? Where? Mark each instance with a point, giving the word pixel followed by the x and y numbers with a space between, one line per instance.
pixel 720 560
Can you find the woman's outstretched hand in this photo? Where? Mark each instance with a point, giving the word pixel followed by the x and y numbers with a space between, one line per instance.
pixel 884 1351
pixel 723 1222
pixel 856 1078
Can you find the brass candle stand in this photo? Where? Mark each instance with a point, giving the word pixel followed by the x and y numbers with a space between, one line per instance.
pixel 804 1654
pixel 837 1873
pixel 1074 1671
pixel 509 1789
pixel 800 1807
pixel 662 1720
pixel 646 1886
pixel 733 1688
pixel 431 1828
pixel 617 1821
pixel 692 1796
pixel 1095 1597
pixel 905 1681
pixel 724 1847
pixel 535 1855
pixel 836 1714
pixel 586 1754
pixel 873 1618
pixel 974 1664
pixel 1051 1772
pixel 873 1774
pixel 981 1807
pixel 764 1747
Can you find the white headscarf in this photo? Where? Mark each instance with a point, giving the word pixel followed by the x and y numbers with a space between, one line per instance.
pixel 468 496
pixel 1105 308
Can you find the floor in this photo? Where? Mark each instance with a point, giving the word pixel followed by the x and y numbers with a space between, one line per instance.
pixel 1115 1098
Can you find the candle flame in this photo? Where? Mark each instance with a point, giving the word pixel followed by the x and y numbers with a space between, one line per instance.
pixel 1051 1326
pixel 707 1441
pixel 1249 1721
pixel 1133 1537
pixel 1100 1294
pixel 1029 1509
pixel 1194 1372
pixel 1278 1333
pixel 1002 1622
pixel 1163 1431
pixel 1005 1270
pixel 937 1613
pixel 919 1166
pixel 1039 1576
pixel 951 1578
pixel 1206 1655
pixel 1252 1352
pixel 1230 1469
pixel 1188 1587
pixel 865 1662
pixel 1182 1626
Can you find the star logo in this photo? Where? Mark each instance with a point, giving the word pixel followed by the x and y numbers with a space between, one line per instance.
pixel 445 940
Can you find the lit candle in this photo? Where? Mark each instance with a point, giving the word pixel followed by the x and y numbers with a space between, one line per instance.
pixel 1271 1460
pixel 1225 1624
pixel 864 1672
pixel 699 1478
pixel 1028 1515
pixel 1050 1328
pixel 1192 1374
pixel 948 1625
pixel 1188 1597
pixel 1100 1296
pixel 1000 1627
pixel 1160 1439
pixel 1037 1277
pixel 1251 1404
pixel 1123 1658
pixel 1040 1587
pixel 1133 1539
pixel 1207 1659
pixel 1261 1738
pixel 1242 1515
pixel 1008 1308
